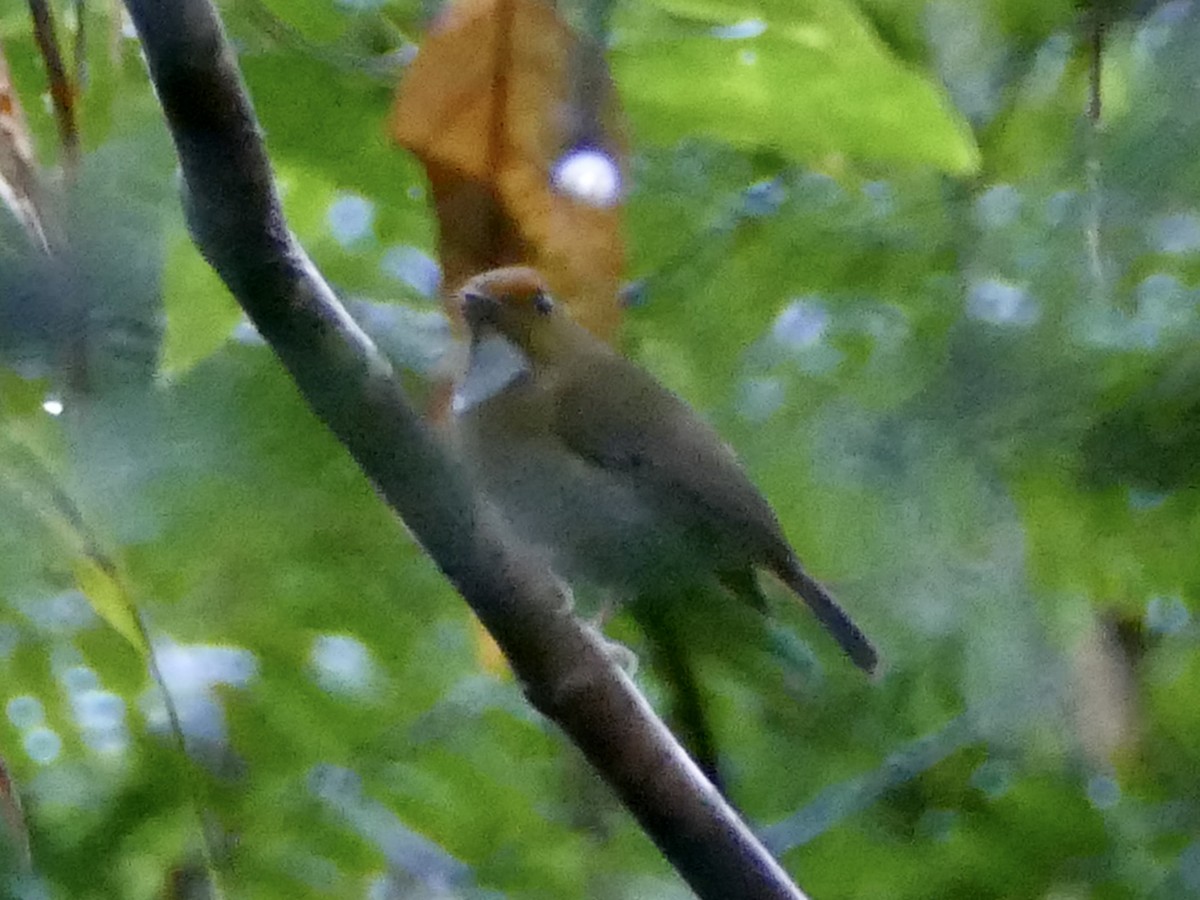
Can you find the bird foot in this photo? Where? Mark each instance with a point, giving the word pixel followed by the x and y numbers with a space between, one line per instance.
pixel 620 655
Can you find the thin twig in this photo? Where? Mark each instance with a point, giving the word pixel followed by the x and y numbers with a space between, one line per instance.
pixel 81 45
pixel 62 94
pixel 1095 215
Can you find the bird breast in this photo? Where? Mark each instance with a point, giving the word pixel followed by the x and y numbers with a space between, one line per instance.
pixel 595 525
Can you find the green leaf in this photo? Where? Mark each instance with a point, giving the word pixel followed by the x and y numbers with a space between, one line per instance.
pixel 108 597
pixel 316 20
pixel 200 311
pixel 808 79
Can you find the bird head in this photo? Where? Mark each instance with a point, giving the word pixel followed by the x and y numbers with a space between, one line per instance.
pixel 515 304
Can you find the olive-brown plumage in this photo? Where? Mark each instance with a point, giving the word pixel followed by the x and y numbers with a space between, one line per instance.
pixel 612 475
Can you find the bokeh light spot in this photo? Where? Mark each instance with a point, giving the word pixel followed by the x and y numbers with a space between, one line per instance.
pixel 413 267
pixel 77 679
pixel 740 31
pixel 351 219
pixel 341 664
pixel 98 709
pixel 1103 792
pixel 1001 303
pixel 25 711
pixel 801 324
pixel 760 398
pixel 763 198
pixel 1176 234
pixel 63 613
pixel 590 176
pixel 42 744
pixel 1167 615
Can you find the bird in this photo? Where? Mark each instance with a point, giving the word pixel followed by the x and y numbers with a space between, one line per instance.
pixel 615 478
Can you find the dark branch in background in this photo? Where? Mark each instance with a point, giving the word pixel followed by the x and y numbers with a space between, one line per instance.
pixel 1095 26
pixel 1095 41
pixel 80 52
pixel 62 94
pixel 236 220
pixel 14 851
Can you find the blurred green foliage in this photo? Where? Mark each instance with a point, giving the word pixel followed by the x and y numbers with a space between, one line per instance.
pixel 949 326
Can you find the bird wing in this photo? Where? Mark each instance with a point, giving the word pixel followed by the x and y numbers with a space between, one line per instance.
pixel 619 418
pixel 616 416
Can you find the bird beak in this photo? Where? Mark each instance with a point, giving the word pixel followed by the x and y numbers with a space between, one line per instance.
pixel 480 310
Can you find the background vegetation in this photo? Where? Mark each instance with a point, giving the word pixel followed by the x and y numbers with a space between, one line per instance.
pixel 948 320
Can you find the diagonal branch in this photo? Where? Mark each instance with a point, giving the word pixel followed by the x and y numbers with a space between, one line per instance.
pixel 236 220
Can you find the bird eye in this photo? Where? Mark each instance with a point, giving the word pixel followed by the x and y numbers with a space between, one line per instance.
pixel 542 303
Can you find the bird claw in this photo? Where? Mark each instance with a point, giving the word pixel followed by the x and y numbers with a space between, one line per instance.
pixel 567 596
pixel 609 604
pixel 618 654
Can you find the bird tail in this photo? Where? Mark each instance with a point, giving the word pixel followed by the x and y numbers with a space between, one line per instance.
pixel 835 619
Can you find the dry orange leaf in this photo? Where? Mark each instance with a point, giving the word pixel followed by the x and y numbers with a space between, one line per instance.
pixel 499 94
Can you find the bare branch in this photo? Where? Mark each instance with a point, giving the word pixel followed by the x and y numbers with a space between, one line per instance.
pixel 235 217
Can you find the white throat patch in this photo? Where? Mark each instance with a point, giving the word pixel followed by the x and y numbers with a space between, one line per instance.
pixel 494 364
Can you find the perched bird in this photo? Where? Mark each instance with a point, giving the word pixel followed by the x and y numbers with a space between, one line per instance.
pixel 613 476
